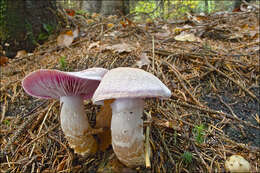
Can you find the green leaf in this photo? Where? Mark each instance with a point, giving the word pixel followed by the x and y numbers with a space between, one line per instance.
pixel 42 36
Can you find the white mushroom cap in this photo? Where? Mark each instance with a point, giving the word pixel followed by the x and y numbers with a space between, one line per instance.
pixel 126 82
pixel 47 83
pixel 237 163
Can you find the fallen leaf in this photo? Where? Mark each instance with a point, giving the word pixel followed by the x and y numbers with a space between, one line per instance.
pixel 130 23
pixel 3 60
pixel 112 17
pixel 113 34
pixel 70 12
pixel 178 30
pixel 119 48
pixel 144 60
pixel 110 25
pixel 21 53
pixel 123 23
pixel 95 44
pixel 75 32
pixel 90 21
pixel 65 39
pixel 162 35
pixel 103 120
pixel 187 37
pixel 95 15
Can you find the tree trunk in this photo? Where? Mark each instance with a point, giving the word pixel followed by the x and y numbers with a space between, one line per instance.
pixel 92 6
pixel 206 10
pixel 22 23
pixel 126 7
pixel 112 7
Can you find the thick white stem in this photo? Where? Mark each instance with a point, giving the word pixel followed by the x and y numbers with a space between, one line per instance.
pixel 127 131
pixel 74 124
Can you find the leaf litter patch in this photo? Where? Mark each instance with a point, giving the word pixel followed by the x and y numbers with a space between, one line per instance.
pixel 212 71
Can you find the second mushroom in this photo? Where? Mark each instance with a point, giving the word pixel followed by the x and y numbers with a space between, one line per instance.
pixel 71 88
pixel 128 87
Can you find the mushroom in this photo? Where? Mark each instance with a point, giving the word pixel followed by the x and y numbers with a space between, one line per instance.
pixel 71 88
pixel 237 163
pixel 128 87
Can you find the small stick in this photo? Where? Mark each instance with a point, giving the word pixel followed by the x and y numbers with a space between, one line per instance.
pixel 230 109
pixel 147 143
pixel 166 148
pixel 201 158
pixel 30 155
pixel 4 108
pixel 21 129
pixel 39 137
pixel 233 80
pixel 153 51
pixel 180 79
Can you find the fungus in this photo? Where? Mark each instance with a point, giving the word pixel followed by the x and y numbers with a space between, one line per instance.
pixel 71 88
pixel 237 163
pixel 128 87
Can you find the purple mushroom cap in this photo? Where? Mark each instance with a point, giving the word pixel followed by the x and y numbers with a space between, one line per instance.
pixel 47 83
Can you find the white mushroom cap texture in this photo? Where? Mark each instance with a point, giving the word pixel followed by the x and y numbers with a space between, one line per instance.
pixel 126 82
pixel 237 163
pixel 47 83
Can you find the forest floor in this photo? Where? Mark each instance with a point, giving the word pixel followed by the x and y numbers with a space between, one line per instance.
pixel 210 63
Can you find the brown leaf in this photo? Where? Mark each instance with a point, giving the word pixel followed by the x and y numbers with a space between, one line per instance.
pixel 187 37
pixel 90 21
pixel 144 60
pixel 110 25
pixel 3 60
pixel 21 53
pixel 65 39
pixel 95 15
pixel 123 23
pixel 162 35
pixel 92 45
pixel 119 48
pixel 103 120
pixel 70 12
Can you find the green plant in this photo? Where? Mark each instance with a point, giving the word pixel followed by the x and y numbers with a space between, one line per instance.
pixel 187 157
pixel 63 63
pixel 48 28
pixel 6 122
pixel 199 133
pixel 29 30
pixel 81 12
pixel 44 35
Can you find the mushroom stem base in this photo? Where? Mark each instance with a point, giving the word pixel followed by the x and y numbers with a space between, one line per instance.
pixel 127 131
pixel 83 145
pixel 74 124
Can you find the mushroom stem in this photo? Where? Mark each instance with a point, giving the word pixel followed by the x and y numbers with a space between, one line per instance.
pixel 74 124
pixel 127 131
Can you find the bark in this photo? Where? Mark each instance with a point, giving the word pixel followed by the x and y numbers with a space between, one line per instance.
pixel 112 7
pixel 206 10
pixel 91 6
pixel 22 23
